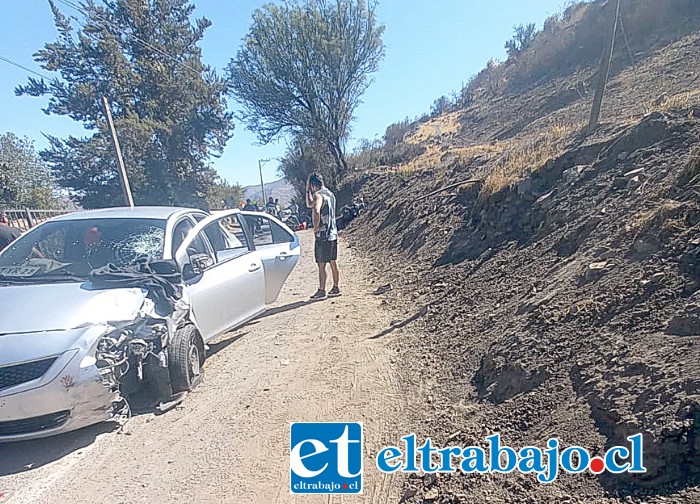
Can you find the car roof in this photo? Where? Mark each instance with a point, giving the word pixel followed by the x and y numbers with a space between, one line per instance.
pixel 137 212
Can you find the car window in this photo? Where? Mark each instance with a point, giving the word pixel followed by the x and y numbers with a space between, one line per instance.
pixel 180 232
pixel 77 246
pixel 270 233
pixel 227 237
pixel 198 247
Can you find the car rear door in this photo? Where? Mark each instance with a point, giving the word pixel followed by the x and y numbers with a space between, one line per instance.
pixel 279 249
pixel 230 289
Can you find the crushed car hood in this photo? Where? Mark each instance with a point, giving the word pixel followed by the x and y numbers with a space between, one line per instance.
pixel 63 306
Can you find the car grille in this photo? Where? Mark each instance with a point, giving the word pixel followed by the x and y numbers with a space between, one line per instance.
pixel 34 424
pixel 20 373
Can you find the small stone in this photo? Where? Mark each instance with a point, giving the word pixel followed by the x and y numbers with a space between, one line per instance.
pixel 634 182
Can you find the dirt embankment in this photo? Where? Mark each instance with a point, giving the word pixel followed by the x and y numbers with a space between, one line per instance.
pixel 563 301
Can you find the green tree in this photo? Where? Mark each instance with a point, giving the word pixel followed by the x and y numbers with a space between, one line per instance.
pixel 222 194
pixel 25 181
pixel 169 108
pixel 303 67
pixel 304 157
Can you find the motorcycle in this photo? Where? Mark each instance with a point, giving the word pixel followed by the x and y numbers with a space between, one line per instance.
pixel 350 212
pixel 290 218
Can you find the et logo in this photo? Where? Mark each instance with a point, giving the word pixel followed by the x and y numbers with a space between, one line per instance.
pixel 325 458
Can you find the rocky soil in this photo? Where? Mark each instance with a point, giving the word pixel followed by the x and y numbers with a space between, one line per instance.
pixel 564 304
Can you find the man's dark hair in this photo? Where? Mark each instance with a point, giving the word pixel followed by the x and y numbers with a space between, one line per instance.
pixel 316 179
pixel 248 201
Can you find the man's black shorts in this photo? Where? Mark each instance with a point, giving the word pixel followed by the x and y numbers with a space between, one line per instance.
pixel 326 251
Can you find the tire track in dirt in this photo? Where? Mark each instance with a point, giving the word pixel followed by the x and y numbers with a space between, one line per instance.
pixel 229 440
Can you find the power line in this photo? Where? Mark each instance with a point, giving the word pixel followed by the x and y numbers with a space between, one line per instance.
pixel 14 63
pixel 131 35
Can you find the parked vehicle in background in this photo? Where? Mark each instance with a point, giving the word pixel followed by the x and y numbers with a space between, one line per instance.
pixel 101 305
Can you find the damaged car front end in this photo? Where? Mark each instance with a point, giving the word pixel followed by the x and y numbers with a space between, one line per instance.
pixel 45 390
pixel 80 348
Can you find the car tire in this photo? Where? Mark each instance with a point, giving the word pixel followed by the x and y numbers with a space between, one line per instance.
pixel 186 359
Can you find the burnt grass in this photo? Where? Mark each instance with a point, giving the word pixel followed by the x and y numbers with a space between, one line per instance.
pixel 564 305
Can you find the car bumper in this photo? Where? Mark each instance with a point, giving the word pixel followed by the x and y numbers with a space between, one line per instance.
pixel 67 397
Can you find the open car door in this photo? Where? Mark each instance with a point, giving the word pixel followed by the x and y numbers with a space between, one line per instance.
pixel 278 247
pixel 223 273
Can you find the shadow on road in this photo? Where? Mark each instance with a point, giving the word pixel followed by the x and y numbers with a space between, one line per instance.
pixel 282 309
pixel 22 456
pixel 394 327
pixel 215 348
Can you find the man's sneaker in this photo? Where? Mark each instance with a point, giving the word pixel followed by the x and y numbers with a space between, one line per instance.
pixel 334 292
pixel 320 294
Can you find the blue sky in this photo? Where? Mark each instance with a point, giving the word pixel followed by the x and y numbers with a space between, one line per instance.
pixel 432 48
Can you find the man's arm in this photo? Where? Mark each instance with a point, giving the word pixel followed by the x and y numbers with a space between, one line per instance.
pixel 309 197
pixel 317 205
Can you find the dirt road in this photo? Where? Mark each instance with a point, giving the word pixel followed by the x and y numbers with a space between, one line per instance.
pixel 229 440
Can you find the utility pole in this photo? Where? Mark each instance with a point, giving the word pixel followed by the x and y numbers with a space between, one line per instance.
pixel 126 189
pixel 262 185
pixel 604 70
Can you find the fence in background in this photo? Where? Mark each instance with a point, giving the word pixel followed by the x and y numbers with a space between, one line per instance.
pixel 29 217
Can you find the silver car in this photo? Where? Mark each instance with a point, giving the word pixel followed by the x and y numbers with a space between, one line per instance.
pixel 99 307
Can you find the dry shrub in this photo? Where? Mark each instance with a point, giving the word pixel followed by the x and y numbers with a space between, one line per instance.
pixel 691 171
pixel 402 153
pixel 447 124
pixel 659 213
pixel 664 103
pixel 519 159
pixel 574 38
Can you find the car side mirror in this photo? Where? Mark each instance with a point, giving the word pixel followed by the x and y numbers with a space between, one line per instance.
pixel 200 262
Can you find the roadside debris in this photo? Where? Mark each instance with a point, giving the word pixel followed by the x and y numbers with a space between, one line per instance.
pixel 383 289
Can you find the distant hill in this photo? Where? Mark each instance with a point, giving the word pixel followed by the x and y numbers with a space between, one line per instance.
pixel 278 189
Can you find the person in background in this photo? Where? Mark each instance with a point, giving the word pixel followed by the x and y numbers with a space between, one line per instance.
pixel 249 207
pixel 322 203
pixel 278 208
pixel 8 234
pixel 96 252
pixel 252 221
pixel 270 207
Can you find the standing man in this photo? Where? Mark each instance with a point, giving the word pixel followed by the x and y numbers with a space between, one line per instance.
pixel 249 207
pixel 8 234
pixel 321 201
pixel 270 207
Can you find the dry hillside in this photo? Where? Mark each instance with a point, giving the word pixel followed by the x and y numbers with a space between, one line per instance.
pixel 560 293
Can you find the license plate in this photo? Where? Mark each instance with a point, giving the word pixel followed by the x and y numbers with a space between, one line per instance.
pixel 19 271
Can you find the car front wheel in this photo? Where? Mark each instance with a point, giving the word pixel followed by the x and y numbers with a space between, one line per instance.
pixel 186 358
